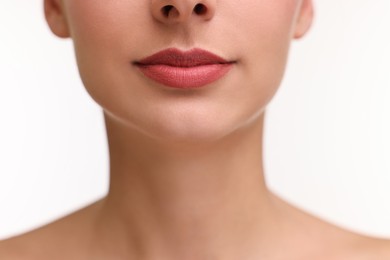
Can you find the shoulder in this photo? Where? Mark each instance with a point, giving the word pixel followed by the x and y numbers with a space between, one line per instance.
pixel 325 240
pixel 36 244
pixel 348 245
pixel 12 249
pixel 53 240
pixel 366 247
pixel 344 244
pixel 47 242
pixel 28 245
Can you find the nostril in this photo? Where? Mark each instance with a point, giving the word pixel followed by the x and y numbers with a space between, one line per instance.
pixel 166 9
pixel 200 9
pixel 171 11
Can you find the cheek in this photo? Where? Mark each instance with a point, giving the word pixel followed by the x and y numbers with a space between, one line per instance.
pixel 103 33
pixel 266 27
pixel 100 27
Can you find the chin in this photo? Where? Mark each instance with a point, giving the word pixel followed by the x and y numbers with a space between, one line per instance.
pixel 190 131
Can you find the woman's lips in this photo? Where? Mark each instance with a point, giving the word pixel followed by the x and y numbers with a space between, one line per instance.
pixel 178 69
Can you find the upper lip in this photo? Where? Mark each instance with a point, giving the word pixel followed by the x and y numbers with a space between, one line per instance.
pixel 177 58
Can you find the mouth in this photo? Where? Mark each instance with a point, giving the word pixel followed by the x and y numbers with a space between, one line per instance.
pixel 184 69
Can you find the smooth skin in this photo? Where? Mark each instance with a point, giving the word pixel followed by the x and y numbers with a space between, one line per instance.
pixel 186 166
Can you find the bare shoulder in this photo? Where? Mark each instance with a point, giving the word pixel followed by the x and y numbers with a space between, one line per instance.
pixel 6 251
pixel 341 243
pixel 367 248
pixel 337 243
pixel 325 240
pixel 344 244
pixel 50 241
pixel 15 248
pixel 34 244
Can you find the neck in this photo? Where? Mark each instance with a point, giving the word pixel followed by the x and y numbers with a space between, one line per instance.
pixel 204 200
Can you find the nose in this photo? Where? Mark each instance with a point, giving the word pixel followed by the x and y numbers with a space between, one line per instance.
pixel 180 11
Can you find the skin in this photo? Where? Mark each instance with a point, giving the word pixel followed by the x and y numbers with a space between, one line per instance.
pixel 186 167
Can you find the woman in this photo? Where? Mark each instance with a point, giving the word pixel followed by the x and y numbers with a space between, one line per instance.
pixel 184 85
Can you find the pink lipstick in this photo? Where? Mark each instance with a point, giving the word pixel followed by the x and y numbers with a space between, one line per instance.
pixel 184 69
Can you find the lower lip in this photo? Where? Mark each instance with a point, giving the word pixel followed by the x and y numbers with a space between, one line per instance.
pixel 185 77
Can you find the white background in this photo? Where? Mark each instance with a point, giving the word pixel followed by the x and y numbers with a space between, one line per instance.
pixel 327 141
